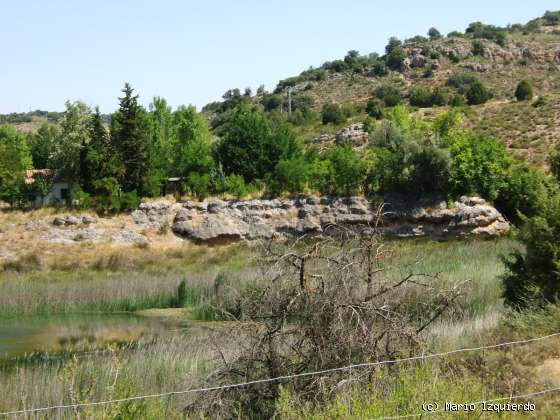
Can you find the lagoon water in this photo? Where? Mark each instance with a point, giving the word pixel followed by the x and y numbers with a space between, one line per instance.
pixel 25 335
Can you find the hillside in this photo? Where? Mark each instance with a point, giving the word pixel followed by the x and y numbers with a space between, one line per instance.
pixel 498 57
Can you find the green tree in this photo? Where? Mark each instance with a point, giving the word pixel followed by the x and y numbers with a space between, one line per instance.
pixel 97 158
pixel 290 175
pixel 191 143
pixel 395 58
pixel 67 156
pixel 479 165
pixel 129 136
pixel 253 143
pixel 393 43
pixel 347 170
pixel 351 57
pixel 533 275
pixel 524 193
pixel 161 136
pixel 434 34
pixel 41 144
pixel 524 91
pixel 15 160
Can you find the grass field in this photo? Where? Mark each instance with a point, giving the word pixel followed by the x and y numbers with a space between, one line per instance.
pixel 153 362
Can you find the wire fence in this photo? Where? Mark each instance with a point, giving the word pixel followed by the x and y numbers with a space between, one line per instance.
pixel 302 375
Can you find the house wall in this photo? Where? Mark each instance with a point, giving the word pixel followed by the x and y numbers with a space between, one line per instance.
pixel 55 195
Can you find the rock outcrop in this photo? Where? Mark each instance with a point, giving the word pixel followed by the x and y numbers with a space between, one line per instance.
pixel 355 134
pixel 220 222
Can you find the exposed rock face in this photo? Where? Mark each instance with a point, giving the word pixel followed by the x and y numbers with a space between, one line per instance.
pixel 355 134
pixel 218 222
pixel 152 215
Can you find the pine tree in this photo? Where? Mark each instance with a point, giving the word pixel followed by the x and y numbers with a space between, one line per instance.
pixel 130 140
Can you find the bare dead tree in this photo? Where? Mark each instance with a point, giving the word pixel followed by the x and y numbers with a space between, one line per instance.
pixel 325 302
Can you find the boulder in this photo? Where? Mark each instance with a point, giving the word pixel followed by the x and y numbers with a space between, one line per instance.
pixel 355 134
pixel 71 221
pixel 213 230
pixel 87 219
pixel 59 221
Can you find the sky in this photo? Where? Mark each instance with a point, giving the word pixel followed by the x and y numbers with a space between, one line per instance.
pixel 191 52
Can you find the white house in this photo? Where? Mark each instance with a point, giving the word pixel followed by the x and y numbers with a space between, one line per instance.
pixel 59 192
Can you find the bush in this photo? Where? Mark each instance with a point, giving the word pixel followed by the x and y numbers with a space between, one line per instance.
pixel 532 276
pixel 380 69
pixel 81 199
pixel 199 185
pixel 129 201
pixel 290 175
pixel 458 100
pixel 478 94
pixel 439 97
pixel 395 58
pixel 423 97
pixel 236 185
pixel 554 162
pixel 524 91
pixel 461 81
pixel 523 193
pixel 478 48
pixel 420 96
pixel 455 34
pixel 332 113
pixel 389 94
pixel 374 108
pixel 346 170
pixel 106 195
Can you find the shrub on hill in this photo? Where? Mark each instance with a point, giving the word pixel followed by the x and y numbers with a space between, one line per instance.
pixel 478 93
pixel 478 48
pixel 332 113
pixel 389 94
pixel 374 108
pixel 425 97
pixel 420 96
pixel 524 91
pixel 395 58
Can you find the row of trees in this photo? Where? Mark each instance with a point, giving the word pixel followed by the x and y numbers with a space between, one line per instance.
pixel 142 148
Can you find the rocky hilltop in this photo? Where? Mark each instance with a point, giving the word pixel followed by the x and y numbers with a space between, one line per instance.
pixel 218 222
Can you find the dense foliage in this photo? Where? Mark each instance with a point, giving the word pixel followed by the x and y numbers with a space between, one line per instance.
pixel 533 277
pixel 524 91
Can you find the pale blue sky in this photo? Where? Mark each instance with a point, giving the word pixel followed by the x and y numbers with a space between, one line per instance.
pixel 191 52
